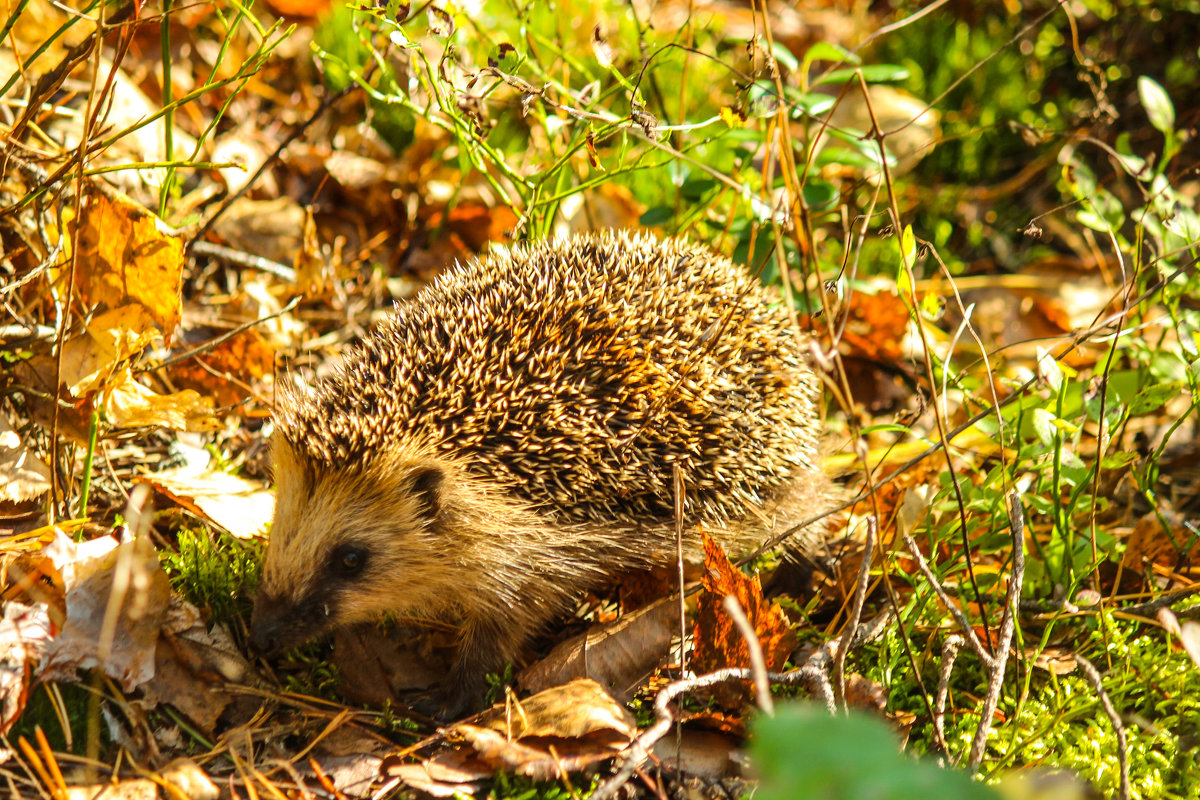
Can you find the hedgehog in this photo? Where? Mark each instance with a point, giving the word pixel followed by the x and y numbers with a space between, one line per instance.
pixel 508 440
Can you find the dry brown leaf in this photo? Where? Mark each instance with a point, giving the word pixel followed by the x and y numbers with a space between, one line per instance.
pixel 187 776
pixel 618 655
pixel 1152 543
pixel 129 404
pixel 718 644
pixel 376 666
pixel 127 652
pixel 128 256
pixel 24 634
pixel 268 228
pixel 136 789
pixel 450 773
pixel 23 476
pixel 708 755
pixel 191 663
pixel 111 338
pixel 1057 660
pixel 864 693
pixel 571 711
pixel 235 504
pixel 223 371
pixel 541 758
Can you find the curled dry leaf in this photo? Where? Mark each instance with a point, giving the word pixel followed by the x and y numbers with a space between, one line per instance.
pixel 23 476
pixel 129 404
pixel 572 710
pixel 618 655
pixel 536 757
pixel 111 338
pixel 450 773
pixel 186 776
pixel 554 732
pixel 709 755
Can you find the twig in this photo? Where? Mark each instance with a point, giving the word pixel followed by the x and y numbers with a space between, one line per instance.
pixel 758 665
pixel 950 648
pixel 639 749
pixel 1008 624
pixel 954 610
pixel 242 259
pixel 860 596
pixel 211 343
pixel 1089 672
pixel 292 136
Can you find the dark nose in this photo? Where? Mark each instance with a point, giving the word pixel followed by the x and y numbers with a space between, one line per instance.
pixel 265 636
pixel 269 626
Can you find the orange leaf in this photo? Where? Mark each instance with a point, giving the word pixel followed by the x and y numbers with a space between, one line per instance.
pixel 718 643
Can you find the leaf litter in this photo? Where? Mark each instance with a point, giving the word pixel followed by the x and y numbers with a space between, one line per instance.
pixel 140 300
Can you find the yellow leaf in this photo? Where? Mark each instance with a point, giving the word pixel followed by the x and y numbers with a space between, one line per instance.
pixel 129 256
pixel 111 338
pixel 129 404
pixel 732 117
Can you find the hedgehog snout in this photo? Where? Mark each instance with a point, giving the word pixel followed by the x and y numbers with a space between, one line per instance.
pixel 278 625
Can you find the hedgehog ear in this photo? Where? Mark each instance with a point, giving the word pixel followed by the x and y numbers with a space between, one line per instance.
pixel 425 484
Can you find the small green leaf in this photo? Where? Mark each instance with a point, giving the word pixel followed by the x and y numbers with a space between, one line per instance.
pixel 656 216
pixel 828 51
pixel 1049 370
pixel 1157 104
pixel 1044 427
pixel 804 753
pixel 820 195
pixel 872 73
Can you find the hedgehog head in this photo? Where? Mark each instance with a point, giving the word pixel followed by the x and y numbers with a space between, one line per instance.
pixel 348 545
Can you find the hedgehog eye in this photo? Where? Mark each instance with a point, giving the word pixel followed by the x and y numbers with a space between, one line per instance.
pixel 348 560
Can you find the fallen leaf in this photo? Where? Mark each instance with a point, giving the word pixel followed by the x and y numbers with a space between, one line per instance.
pixel 267 228
pixel 707 755
pixel 24 634
pixel 539 758
pixel 223 371
pixel 450 773
pixel 572 710
pixel 129 404
pixel 240 506
pixel 618 655
pixel 111 338
pixel 189 779
pixel 125 651
pixel 191 664
pixel 23 476
pixel 1152 543
pixel 718 642
pixel 127 255
pixel 377 666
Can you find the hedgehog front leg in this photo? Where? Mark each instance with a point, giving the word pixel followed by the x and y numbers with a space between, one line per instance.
pixel 486 647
